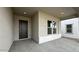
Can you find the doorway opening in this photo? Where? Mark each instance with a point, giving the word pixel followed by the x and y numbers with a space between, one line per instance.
pixel 23 29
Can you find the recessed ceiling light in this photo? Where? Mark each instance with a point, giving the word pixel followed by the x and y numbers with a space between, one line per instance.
pixel 62 13
pixel 25 12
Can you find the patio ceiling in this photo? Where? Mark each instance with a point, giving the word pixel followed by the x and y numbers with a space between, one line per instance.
pixel 60 12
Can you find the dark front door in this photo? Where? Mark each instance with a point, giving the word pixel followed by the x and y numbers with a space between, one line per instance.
pixel 23 29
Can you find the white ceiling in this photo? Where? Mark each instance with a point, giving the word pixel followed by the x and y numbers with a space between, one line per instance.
pixel 56 11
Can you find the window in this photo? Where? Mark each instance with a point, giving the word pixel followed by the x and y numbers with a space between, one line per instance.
pixel 51 27
pixel 69 28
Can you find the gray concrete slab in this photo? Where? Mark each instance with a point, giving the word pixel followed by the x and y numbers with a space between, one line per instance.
pixel 58 45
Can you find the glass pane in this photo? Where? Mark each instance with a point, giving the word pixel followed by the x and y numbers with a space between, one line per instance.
pixel 54 24
pixel 54 30
pixel 69 26
pixel 49 30
pixel 69 31
pixel 49 23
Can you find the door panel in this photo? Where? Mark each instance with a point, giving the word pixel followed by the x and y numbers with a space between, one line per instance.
pixel 23 29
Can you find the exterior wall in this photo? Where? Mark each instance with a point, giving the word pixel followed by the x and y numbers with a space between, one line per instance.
pixel 6 29
pixel 75 30
pixel 35 27
pixel 43 35
pixel 16 26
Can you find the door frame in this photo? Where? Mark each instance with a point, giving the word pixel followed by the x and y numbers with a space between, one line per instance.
pixel 28 31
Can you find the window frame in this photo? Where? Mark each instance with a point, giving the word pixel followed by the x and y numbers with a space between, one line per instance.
pixel 51 28
pixel 71 29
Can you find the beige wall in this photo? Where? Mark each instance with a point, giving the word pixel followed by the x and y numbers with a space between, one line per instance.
pixel 43 36
pixel 35 27
pixel 6 29
pixel 16 26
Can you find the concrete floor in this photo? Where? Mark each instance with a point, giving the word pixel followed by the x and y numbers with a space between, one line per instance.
pixel 58 45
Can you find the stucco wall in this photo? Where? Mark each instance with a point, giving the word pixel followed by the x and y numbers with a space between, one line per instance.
pixel 35 27
pixel 75 28
pixel 43 35
pixel 16 26
pixel 6 29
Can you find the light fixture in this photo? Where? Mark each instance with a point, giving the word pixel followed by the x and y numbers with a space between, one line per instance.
pixel 62 13
pixel 25 12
